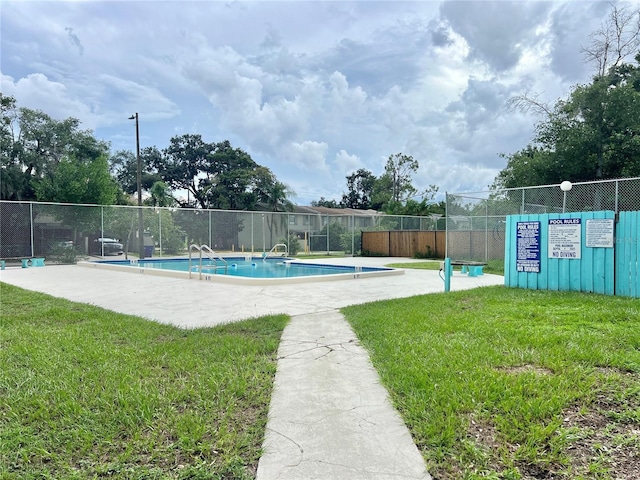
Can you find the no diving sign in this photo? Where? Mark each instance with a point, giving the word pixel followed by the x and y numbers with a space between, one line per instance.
pixel 565 238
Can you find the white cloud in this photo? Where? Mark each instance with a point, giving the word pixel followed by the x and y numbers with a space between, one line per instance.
pixel 313 90
pixel 307 155
pixel 347 162
pixel 36 90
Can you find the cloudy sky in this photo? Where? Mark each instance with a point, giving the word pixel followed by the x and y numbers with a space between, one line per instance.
pixel 314 90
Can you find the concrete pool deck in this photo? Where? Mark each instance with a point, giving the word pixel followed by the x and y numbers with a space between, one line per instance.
pixel 329 417
pixel 193 303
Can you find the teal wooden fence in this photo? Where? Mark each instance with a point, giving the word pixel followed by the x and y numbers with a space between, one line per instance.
pixel 571 251
pixel 628 255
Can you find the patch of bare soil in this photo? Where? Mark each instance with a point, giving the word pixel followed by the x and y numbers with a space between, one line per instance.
pixel 604 436
pixel 603 445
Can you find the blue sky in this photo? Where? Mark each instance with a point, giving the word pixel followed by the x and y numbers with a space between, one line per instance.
pixel 312 90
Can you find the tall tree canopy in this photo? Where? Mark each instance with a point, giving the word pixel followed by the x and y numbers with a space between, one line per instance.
pixel 360 186
pixel 595 133
pixel 51 160
pixel 215 175
pixel 124 168
pixel 393 192
pixel 592 135
pixel 395 185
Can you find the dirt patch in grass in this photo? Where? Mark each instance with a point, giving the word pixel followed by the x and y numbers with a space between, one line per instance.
pixel 601 445
pixel 603 437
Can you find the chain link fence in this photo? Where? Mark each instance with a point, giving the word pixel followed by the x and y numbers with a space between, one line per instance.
pixel 64 232
pixel 475 221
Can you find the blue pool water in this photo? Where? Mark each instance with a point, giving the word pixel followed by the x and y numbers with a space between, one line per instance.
pixel 250 268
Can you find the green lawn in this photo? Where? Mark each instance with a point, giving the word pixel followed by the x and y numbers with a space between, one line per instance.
pixel 495 267
pixel 492 382
pixel 508 383
pixel 88 393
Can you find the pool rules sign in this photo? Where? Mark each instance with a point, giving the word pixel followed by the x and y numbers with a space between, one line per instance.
pixel 528 247
pixel 565 238
pixel 572 251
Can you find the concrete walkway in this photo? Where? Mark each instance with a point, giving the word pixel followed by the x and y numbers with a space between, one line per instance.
pixel 329 417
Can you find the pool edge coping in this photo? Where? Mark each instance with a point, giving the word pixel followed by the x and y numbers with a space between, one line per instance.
pixel 237 280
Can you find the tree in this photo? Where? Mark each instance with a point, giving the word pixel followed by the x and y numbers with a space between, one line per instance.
pixel 38 154
pixel 215 175
pixel 160 196
pixel 77 180
pixel 183 165
pixel 275 197
pixel 529 166
pixel 595 133
pixel 394 187
pixel 360 190
pixel 323 202
pixel 617 39
pixel 124 168
pixel 234 181
pixel 14 184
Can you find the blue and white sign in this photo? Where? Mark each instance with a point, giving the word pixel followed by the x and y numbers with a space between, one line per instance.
pixel 565 238
pixel 528 247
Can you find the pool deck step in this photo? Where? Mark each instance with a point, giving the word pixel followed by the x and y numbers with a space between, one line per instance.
pixel 330 418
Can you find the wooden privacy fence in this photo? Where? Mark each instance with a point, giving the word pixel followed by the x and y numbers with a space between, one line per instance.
pixel 582 251
pixel 627 253
pixel 404 243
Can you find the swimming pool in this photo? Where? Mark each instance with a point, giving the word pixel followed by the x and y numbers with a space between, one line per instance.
pixel 247 270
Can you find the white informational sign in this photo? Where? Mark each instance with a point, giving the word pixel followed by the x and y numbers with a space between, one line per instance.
pixel 599 233
pixel 565 238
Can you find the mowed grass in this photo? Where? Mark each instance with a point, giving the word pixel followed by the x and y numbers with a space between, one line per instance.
pixel 495 267
pixel 88 393
pixel 509 383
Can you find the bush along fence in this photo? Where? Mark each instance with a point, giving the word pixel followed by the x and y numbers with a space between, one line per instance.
pixel 596 252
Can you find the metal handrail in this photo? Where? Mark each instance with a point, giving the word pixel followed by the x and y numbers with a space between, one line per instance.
pixel 286 250
pixel 210 253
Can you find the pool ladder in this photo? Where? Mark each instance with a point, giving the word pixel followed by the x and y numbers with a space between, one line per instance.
pixel 213 256
pixel 274 250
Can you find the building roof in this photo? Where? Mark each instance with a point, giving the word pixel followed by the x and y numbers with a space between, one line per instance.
pixel 333 211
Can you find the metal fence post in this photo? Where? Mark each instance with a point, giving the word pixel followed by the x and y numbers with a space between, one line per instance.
pixel 328 234
pixel 31 225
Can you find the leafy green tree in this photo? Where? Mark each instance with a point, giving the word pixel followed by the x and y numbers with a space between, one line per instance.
pixel 323 202
pixel 160 196
pixel 275 197
pixel 529 166
pixel 215 175
pixel 595 133
pixel 235 181
pixel 84 181
pixel 184 165
pixel 14 184
pixel 40 155
pixel 360 187
pixel 394 187
pixel 399 170
pixel 592 135
pixel 124 168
